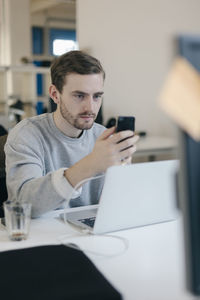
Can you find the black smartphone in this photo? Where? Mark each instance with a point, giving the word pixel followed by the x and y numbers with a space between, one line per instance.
pixel 125 123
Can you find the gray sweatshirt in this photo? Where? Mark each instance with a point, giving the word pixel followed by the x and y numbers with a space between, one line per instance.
pixel 37 153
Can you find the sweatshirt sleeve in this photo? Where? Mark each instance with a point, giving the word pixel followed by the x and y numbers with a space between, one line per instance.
pixel 26 179
pixel 62 185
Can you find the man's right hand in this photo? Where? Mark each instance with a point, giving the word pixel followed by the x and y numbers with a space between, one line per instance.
pixel 113 148
pixel 110 149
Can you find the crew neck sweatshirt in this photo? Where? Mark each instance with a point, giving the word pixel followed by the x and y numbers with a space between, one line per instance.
pixel 37 153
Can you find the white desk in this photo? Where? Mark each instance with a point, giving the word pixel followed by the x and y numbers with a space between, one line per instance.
pixel 152 146
pixel 151 269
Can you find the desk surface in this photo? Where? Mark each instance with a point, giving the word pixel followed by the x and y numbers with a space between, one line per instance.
pixel 152 268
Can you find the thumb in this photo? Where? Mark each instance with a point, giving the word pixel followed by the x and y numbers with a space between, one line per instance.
pixel 108 132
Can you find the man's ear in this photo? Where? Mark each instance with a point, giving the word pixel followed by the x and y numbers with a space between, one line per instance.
pixel 54 94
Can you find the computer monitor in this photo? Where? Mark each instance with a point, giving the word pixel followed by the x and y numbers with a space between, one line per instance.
pixel 189 197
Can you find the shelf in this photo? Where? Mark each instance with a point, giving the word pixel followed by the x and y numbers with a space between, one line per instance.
pixel 29 69
pixel 21 80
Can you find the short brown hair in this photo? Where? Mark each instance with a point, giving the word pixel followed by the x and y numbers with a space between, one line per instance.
pixel 73 62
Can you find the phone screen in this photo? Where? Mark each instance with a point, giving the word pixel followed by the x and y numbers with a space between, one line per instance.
pixel 125 123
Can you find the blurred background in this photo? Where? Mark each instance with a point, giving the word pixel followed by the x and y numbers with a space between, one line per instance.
pixel 136 41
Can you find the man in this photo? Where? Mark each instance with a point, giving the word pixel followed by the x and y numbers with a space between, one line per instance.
pixel 48 155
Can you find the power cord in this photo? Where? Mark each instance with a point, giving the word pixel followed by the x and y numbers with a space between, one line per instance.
pixel 65 241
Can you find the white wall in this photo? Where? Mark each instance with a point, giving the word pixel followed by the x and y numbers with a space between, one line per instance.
pixel 136 42
pixel 17 38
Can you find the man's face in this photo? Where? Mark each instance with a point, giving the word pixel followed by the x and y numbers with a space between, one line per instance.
pixel 81 99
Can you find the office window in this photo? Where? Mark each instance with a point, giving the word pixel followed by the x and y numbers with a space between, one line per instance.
pixel 62 46
pixel 61 41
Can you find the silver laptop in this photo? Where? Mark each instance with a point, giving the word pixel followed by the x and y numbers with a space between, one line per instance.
pixel 133 195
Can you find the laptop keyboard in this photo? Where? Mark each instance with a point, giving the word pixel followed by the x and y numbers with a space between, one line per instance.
pixel 88 221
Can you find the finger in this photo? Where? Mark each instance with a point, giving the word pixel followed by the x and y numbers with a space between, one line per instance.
pixel 125 154
pixel 126 161
pixel 127 143
pixel 119 136
pixel 108 132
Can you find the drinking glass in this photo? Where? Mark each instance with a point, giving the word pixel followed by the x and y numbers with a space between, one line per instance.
pixel 17 219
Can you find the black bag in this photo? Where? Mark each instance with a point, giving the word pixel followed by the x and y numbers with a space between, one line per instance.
pixel 52 273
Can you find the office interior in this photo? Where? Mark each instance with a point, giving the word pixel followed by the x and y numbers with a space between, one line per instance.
pixel 136 41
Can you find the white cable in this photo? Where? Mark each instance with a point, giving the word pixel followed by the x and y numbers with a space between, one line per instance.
pixel 63 240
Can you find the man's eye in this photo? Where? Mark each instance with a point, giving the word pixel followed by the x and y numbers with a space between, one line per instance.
pixel 97 97
pixel 79 96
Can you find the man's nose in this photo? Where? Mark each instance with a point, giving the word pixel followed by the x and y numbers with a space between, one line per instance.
pixel 88 104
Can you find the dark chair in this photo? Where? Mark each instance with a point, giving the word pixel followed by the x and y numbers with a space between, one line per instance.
pixel 3 131
pixel 3 189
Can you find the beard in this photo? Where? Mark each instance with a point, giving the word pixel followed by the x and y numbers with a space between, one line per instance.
pixel 77 121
